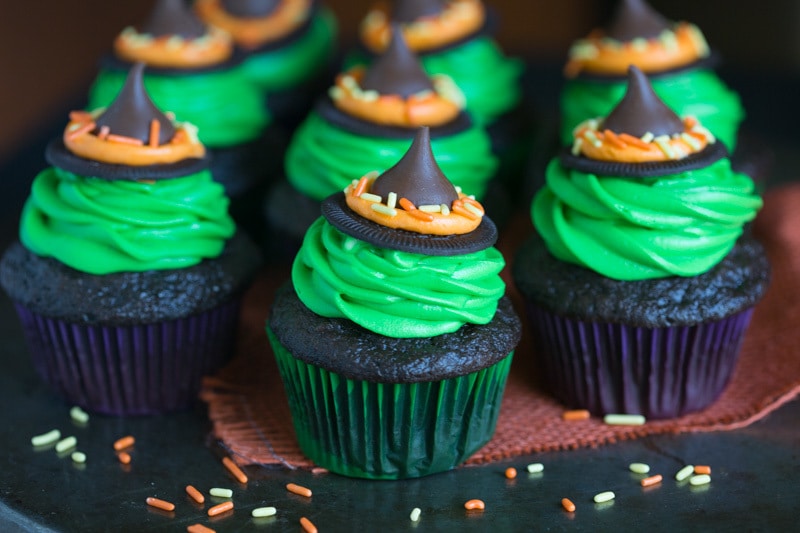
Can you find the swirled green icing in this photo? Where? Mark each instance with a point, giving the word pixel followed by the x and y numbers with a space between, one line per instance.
pixel 296 62
pixel 224 105
pixel 100 226
pixel 698 92
pixel 323 159
pixel 396 294
pixel 641 228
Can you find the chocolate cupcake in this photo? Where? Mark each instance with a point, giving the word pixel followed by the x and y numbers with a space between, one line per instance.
pixel 394 338
pixel 641 281
pixel 195 72
pixel 288 46
pixel 128 273
pixel 674 55
pixel 367 123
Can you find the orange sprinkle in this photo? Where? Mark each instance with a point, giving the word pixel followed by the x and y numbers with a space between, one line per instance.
pixel 221 508
pixel 612 138
pixel 83 130
pixel 199 528
pixel 79 116
pixel 459 208
pixel 319 470
pixel 179 137
pixel 307 526
pixel 122 139
pixel 702 469
pixel 234 470
pixel 361 186
pixel 160 504
pixel 124 458
pixel 297 489
pixel 575 414
pixel 406 204
pixel 155 130
pixel 421 215
pixel 124 442
pixel 474 505
pixel 103 133
pixel 474 203
pixel 652 480
pixel 697 135
pixel 690 122
pixel 567 504
pixel 195 494
pixel 636 141
pixel 511 472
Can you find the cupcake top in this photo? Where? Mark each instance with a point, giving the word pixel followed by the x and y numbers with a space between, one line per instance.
pixel 427 25
pixel 173 37
pixel 256 23
pixel 637 35
pixel 402 254
pixel 396 91
pixel 643 193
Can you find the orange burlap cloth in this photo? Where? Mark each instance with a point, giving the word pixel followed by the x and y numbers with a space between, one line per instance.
pixel 250 414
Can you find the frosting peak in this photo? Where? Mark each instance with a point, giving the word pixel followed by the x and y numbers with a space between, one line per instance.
pixel 397 70
pixel 173 17
pixel 636 19
pixel 641 110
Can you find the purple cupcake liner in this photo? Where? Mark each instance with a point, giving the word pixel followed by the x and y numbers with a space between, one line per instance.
pixel 131 370
pixel 656 372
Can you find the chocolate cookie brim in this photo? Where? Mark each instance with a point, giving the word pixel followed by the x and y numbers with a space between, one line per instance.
pixel 711 154
pixel 343 347
pixel 328 110
pixel 59 156
pixel 339 215
pixel 709 62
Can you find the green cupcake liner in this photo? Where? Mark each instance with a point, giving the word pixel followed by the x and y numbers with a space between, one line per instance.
pixel 390 430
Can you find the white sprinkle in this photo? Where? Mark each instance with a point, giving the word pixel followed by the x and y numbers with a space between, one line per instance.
pixel 261 512
pixel 662 141
pixel 647 137
pixel 684 472
pixel 174 42
pixel 535 468
pixel 704 132
pixel 624 420
pixel 699 40
pixel 701 479
pixel 370 96
pixel 336 92
pixel 391 200
pixel 604 497
pixel 78 457
pixel 691 141
pixel 430 208
pixel 422 94
pixel 370 197
pixel 78 415
pixel 583 50
pixel 66 444
pixel 384 210
pixel 415 514
pixel 458 189
pixel 639 44
pixel 576 146
pixel 668 39
pixel 472 209
pixel 592 138
pixel 639 468
pixel 444 209
pixel 349 82
pixel 46 438
pixel 221 493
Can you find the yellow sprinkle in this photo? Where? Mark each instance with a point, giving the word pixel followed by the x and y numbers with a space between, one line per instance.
pixel 535 468
pixel 684 472
pixel 444 209
pixel 648 137
pixel 66 444
pixel 701 479
pixel 430 208
pixel 46 438
pixel 350 82
pixel 336 93
pixel 78 415
pixel 78 457
pixel 174 42
pixel 474 210
pixel 639 468
pixel 662 141
pixel 370 96
pixel 705 133
pixel 624 420
pixel 691 141
pixel 391 200
pixel 415 514
pixel 384 210
pixel 604 497
pixel 639 44
pixel 370 197
pixel 458 189
pixel 577 145
pixel 261 512
pixel 221 493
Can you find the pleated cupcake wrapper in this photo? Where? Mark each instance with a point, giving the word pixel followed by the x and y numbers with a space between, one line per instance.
pixel 657 372
pixel 390 431
pixel 130 370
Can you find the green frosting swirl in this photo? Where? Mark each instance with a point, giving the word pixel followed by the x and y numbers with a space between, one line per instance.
pixel 642 228
pixel 226 107
pixel 698 92
pixel 489 80
pixel 323 159
pixel 298 61
pixel 100 226
pixel 396 294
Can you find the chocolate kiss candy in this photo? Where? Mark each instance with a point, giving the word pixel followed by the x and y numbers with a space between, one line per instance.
pixel 132 111
pixel 417 177
pixel 250 8
pixel 407 11
pixel 397 70
pixel 641 110
pixel 636 19
pixel 173 17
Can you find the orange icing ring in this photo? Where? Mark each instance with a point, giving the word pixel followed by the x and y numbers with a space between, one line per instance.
pixel 423 109
pixel 459 19
pixel 109 148
pixel 254 32
pixel 457 219
pixel 174 52
pixel 672 49
pixel 623 148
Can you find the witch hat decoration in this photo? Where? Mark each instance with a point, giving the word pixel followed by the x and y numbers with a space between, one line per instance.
pixel 397 70
pixel 407 11
pixel 174 17
pixel 636 19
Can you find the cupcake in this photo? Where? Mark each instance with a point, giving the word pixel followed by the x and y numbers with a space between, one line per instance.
pixel 394 337
pixel 367 123
pixel 128 272
pixel 641 281
pixel 288 45
pixel 193 71
pixel 676 58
